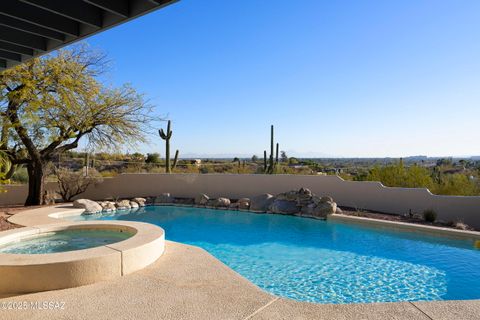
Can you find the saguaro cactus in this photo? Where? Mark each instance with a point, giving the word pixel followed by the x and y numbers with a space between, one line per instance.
pixel 276 155
pixel 166 136
pixel 174 165
pixel 272 162
pixel 265 161
pixel 270 169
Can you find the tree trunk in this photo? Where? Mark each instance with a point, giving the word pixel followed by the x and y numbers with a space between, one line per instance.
pixel 36 183
pixel 10 171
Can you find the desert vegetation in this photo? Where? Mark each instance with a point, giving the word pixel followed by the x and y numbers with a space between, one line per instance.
pixel 441 176
pixel 49 104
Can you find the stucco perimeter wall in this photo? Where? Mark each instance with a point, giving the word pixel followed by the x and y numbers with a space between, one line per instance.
pixel 364 195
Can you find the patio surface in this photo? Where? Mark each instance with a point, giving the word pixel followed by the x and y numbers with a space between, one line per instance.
pixel 189 283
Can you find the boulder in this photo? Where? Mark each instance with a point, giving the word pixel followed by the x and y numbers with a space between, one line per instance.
pixel 89 206
pixel 261 202
pixel 107 206
pixel 102 204
pixel 338 211
pixel 134 205
pixel 289 196
pixel 308 209
pixel 141 201
pixel 305 192
pixel 110 206
pixel 326 199
pixel 123 205
pixel 201 199
pixel 164 198
pixel 284 207
pixel 243 203
pixel 221 202
pixel 302 197
pixel 320 211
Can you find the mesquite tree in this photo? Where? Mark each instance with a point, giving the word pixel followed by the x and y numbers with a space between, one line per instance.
pixel 47 105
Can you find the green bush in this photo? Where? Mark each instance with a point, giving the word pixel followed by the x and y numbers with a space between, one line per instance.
pixel 153 158
pixel 456 184
pixel 398 175
pixel 429 215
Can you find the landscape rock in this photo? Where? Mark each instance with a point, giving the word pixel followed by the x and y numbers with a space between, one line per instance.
pixel 123 205
pixel 89 206
pixel 134 205
pixel 102 204
pixel 303 202
pixel 201 199
pixel 107 206
pixel 326 199
pixel 261 202
pixel 110 206
pixel 150 201
pixel 164 198
pixel 221 202
pixel 188 201
pixel 339 211
pixel 284 207
pixel 320 211
pixel 141 201
pixel 308 209
pixel 288 196
pixel 243 203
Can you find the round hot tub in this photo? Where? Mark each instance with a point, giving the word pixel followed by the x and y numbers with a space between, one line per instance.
pixel 67 255
pixel 65 240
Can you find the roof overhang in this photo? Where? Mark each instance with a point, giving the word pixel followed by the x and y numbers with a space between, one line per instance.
pixel 30 28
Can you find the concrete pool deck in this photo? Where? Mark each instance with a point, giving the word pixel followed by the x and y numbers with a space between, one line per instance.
pixel 189 283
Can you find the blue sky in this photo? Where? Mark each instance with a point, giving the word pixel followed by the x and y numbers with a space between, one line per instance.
pixel 336 78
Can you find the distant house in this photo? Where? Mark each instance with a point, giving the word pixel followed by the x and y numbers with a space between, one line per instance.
pixel 196 162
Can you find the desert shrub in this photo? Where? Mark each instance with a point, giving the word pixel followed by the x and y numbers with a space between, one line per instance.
pixel 133 168
pixel 456 184
pixel 155 169
pixel 429 215
pixel 397 175
pixel 461 226
pixel 204 169
pixel 153 158
pixel 73 183
pixel 109 173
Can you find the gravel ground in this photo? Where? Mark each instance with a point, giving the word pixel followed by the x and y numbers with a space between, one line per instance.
pixel 6 212
pixel 392 217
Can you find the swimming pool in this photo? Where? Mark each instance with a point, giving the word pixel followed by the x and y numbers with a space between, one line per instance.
pixel 323 261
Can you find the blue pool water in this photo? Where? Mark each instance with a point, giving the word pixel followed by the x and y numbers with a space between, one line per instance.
pixel 65 240
pixel 323 261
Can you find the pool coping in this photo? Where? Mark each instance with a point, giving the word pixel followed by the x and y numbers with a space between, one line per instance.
pixel 434 230
pixel 266 307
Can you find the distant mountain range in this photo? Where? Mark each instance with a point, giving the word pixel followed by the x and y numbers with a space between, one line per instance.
pixel 314 155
